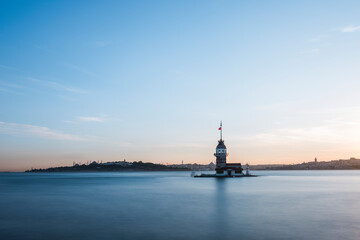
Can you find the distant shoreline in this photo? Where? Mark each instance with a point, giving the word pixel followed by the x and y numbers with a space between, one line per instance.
pixel 187 170
pixel 121 166
pixel 98 171
pixel 341 164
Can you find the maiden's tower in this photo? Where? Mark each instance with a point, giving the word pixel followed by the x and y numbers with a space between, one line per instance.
pixel 224 169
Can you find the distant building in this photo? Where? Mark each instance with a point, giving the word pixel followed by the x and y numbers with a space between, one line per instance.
pixel 315 160
pixel 223 168
pixel 122 163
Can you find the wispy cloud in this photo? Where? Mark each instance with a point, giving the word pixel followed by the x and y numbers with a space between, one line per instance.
pixel 69 121
pixel 12 69
pixel 183 145
pixel 6 90
pixel 337 133
pixel 286 136
pixel 91 119
pixel 79 69
pixel 350 29
pixel 67 98
pixel 16 129
pixel 100 118
pixel 313 50
pixel 11 85
pixel 56 86
pixel 10 88
pixel 316 39
pixel 121 144
pixel 7 67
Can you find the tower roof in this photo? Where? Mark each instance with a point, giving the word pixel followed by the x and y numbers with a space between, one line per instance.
pixel 221 145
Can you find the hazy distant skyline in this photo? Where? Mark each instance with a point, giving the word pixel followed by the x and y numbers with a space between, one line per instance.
pixel 151 80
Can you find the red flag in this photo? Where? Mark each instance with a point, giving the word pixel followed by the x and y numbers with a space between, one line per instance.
pixel 219 128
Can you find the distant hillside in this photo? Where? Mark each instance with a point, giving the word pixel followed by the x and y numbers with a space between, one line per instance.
pixel 111 167
pixel 123 166
pixel 340 164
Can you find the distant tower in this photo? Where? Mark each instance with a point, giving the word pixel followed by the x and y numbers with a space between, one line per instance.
pixel 220 153
pixel 247 170
pixel 315 160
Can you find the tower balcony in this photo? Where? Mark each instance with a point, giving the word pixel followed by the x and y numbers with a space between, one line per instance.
pixel 221 154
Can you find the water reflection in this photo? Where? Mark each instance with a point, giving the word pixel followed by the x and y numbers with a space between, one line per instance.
pixel 221 209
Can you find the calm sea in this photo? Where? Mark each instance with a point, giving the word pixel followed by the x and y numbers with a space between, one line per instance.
pixel 173 205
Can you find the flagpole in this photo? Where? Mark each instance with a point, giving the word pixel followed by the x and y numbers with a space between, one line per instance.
pixel 220 130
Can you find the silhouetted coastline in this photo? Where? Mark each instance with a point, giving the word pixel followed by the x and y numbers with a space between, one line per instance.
pixel 112 167
pixel 123 166
pixel 341 164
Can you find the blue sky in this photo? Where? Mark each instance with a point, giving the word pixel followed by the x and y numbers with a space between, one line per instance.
pixel 150 81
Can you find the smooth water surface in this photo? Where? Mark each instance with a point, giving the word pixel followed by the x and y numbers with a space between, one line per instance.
pixel 173 205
